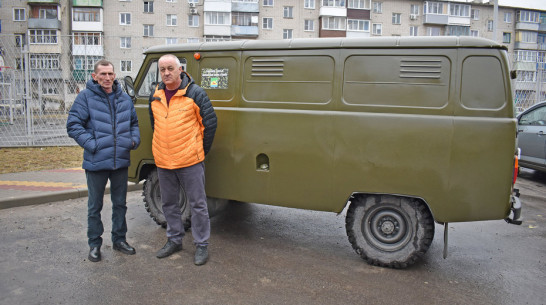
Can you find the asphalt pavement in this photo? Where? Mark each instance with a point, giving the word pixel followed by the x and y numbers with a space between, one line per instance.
pixel 29 188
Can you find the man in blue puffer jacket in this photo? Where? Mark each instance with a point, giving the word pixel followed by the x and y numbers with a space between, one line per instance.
pixel 103 121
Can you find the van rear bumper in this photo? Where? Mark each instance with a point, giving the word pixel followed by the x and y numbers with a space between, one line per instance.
pixel 516 209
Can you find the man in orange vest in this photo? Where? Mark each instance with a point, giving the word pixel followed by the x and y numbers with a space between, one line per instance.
pixel 184 124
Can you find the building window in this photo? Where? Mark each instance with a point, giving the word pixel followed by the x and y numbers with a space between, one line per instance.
pixel 378 7
pixel 86 14
pixel 527 56
pixel 288 11
pixel 309 4
pixel 377 29
pixel 474 33
pixel 358 25
pixel 20 40
pixel 459 10
pixel 50 87
pixel 171 20
pixel 359 4
pixel 434 8
pixel 268 3
pixel 148 6
pixel 396 18
pixel 413 31
pixel 527 37
pixel 267 23
pixel 87 39
pixel 19 14
pixel 333 23
pixel 528 16
pixel 148 30
pixel 213 38
pixel 333 3
pixel 47 13
pixel 171 1
pixel 44 61
pixel 43 36
pixel 506 37
pixel 217 18
pixel 85 62
pixel 309 25
pixel 433 31
pixel 125 42
pixel 126 66
pixel 414 10
pixel 124 18
pixel 508 17
pixel 244 18
pixel 192 40
pixel 171 40
pixel 193 20
pixel 455 30
pixel 475 14
pixel 490 25
pixel 193 1
pixel 287 34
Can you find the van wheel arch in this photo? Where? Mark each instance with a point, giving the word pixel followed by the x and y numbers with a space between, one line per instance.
pixel 388 230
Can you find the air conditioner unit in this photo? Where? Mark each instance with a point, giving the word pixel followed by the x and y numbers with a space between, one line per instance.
pixel 413 17
pixel 193 11
pixel 192 4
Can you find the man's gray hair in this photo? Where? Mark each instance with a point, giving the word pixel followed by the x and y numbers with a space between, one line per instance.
pixel 102 62
pixel 178 64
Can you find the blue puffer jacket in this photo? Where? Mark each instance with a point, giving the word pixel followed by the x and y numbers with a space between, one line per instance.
pixel 107 138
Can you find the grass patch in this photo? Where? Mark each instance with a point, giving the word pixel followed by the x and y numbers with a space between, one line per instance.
pixel 29 159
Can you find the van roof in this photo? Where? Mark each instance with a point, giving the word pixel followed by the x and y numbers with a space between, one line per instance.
pixel 327 43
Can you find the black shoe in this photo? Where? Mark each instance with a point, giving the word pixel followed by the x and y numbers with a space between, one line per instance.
pixel 94 254
pixel 201 255
pixel 124 248
pixel 169 248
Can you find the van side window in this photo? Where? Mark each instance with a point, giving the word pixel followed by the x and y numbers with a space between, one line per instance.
pixel 397 80
pixel 289 79
pixel 479 73
pixel 152 78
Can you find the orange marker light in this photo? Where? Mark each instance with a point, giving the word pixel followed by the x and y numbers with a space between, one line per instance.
pixel 197 56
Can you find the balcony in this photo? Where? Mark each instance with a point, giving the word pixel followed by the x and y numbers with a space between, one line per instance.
pixel 44 1
pixel 88 50
pixel 217 6
pixel 244 31
pixel 37 23
pixel 250 7
pixel 456 20
pixel 336 11
pixel 217 30
pixel 527 26
pixel 525 45
pixel 86 3
pixel 81 75
pixel 87 26
pixel 437 19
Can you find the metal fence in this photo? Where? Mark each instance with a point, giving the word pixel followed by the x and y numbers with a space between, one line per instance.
pixel 41 76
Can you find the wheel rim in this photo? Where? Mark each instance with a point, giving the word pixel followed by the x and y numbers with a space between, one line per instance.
pixel 387 228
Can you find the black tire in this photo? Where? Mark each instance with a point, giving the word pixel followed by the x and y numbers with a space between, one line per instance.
pixel 389 231
pixel 152 201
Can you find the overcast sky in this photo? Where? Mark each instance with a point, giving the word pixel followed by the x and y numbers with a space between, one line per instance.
pixel 532 4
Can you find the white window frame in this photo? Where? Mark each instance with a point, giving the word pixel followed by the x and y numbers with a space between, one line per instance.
pixel 148 30
pixel 414 31
pixel 359 4
pixel 475 14
pixel 358 25
pixel 41 35
pixel 123 18
pixel 268 3
pixel 210 17
pixel 435 8
pixel 508 17
pixel 148 7
pixel 431 31
pixel 125 42
pixel 192 39
pixel 414 9
pixel 308 4
pixel 489 25
pixel 126 65
pixel 18 14
pixel 377 29
pixel 333 3
pixel 193 21
pixel 266 23
pixel 172 20
pixel 506 34
pixel 339 23
pixel 396 18
pixel 87 39
pixel 41 61
pixel 309 25
pixel 288 12
pixel 86 14
pixel 287 33
pixel 474 33
pixel 459 10
pixel 528 36
pixel 171 40
pixel 377 7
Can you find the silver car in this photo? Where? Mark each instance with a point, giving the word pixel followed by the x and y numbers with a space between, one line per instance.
pixel 532 137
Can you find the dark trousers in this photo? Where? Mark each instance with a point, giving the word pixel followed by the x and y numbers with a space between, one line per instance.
pixel 192 180
pixel 96 184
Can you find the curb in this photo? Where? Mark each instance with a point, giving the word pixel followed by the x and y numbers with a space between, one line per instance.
pixel 40 198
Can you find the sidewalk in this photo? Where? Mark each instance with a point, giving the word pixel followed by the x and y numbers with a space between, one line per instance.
pixel 28 188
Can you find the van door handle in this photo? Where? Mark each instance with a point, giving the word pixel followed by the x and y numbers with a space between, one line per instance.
pixel 540 133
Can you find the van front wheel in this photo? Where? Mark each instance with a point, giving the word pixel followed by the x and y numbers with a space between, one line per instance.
pixel 389 231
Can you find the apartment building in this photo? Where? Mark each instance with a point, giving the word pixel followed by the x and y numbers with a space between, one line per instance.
pixel 121 30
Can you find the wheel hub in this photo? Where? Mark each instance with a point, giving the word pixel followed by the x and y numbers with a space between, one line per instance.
pixel 387 228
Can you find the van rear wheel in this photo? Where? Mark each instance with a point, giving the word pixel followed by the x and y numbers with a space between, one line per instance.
pixel 389 231
pixel 152 201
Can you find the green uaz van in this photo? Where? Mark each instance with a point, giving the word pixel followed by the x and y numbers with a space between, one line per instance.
pixel 405 131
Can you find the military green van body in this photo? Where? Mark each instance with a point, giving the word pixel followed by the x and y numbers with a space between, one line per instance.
pixel 313 123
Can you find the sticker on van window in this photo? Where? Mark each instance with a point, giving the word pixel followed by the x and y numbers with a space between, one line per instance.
pixel 214 78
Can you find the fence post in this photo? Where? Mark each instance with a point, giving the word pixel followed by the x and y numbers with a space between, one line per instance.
pixel 27 96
